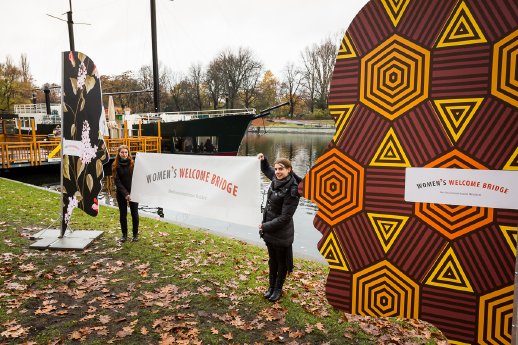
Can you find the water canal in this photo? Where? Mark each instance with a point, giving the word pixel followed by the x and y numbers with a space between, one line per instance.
pixel 301 149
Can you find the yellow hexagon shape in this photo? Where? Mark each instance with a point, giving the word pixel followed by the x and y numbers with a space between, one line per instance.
pixel 412 63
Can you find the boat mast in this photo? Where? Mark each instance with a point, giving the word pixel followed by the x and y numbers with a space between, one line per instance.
pixel 156 87
pixel 70 23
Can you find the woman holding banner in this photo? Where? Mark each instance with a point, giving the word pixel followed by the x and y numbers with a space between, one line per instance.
pixel 122 172
pixel 277 228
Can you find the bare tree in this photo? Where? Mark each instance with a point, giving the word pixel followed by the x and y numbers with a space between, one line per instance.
pixel 214 81
pixel 318 67
pixel 326 54
pixel 250 89
pixel 239 69
pixel 292 80
pixel 145 80
pixel 25 70
pixel 196 79
pixel 310 65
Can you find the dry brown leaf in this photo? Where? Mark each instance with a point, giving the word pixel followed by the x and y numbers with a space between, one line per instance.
pixel 309 328
pixel 296 334
pixel 270 336
pixel 13 330
pixel 104 319
pixel 124 332
pixel 75 335
pixel 27 268
pixel 319 326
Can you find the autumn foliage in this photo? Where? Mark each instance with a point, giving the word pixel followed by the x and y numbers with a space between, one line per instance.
pixel 175 286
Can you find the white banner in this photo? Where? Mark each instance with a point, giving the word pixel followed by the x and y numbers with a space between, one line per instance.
pixel 218 187
pixel 469 187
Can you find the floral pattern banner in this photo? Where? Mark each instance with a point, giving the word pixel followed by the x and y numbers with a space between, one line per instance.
pixel 83 120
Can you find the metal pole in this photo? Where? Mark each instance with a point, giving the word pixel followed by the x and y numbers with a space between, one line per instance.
pixel 70 23
pixel 70 30
pixel 156 88
pixel 46 90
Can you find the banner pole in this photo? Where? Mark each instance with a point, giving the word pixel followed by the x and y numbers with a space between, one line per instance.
pixel 63 225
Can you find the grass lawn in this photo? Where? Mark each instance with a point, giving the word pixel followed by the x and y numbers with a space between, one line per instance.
pixel 174 286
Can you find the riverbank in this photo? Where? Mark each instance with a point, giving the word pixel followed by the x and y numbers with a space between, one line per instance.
pixel 176 285
pixel 292 126
pixel 291 130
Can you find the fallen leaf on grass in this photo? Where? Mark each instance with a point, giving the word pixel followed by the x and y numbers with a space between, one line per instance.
pixel 27 268
pixel 13 330
pixel 75 335
pixel 296 334
pixel 104 319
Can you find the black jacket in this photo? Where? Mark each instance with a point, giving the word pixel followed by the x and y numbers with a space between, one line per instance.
pixel 282 202
pixel 122 178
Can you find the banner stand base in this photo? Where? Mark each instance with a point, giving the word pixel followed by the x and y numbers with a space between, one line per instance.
pixel 77 240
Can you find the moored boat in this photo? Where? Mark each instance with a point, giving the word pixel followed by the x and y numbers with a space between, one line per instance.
pixel 210 132
pixel 217 132
pixel 45 119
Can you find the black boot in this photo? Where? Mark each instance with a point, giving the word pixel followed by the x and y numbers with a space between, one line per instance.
pixel 276 295
pixel 124 237
pixel 277 291
pixel 268 293
pixel 272 277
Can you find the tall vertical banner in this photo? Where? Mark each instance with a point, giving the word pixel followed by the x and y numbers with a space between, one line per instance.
pixel 84 149
pixel 218 187
pixel 423 84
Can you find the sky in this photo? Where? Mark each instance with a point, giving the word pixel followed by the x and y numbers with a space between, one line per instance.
pixel 118 35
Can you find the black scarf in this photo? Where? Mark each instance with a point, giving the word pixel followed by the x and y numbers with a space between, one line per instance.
pixel 281 183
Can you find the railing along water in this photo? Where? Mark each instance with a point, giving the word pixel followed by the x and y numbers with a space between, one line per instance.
pixel 33 153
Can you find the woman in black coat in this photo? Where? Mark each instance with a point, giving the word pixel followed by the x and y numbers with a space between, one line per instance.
pixel 277 228
pixel 122 172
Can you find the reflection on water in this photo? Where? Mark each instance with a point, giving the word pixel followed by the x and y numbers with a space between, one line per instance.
pixel 303 150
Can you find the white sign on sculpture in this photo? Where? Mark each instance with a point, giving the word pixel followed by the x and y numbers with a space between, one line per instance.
pixel 469 187
pixel 217 187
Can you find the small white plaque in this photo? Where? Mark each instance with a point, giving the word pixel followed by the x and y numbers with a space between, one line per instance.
pixel 72 147
pixel 468 187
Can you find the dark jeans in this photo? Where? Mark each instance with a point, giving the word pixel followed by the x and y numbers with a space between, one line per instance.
pixel 123 212
pixel 280 262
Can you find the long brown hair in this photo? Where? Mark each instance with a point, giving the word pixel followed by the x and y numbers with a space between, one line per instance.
pixel 115 164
